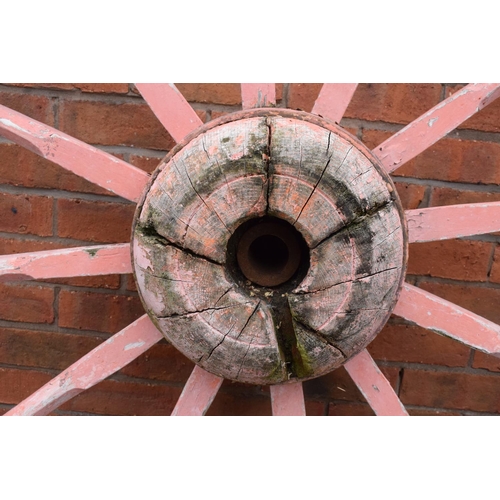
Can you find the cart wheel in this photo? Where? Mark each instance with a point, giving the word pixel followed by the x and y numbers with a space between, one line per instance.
pixel 269 246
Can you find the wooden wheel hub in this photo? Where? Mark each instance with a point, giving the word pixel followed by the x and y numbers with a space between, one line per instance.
pixel 269 246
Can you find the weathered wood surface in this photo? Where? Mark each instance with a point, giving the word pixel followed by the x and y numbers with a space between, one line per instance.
pixel 106 359
pixel 258 95
pixel 67 263
pixel 171 108
pixel 445 318
pixel 316 178
pixel 435 124
pixel 333 100
pixel 454 221
pixel 287 400
pixel 375 388
pixel 198 394
pixel 91 163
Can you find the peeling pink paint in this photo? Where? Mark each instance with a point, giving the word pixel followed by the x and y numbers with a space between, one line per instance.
pixel 171 108
pixel 453 221
pixel 91 163
pixel 434 313
pixel 288 400
pixel 258 95
pixel 333 100
pixel 435 124
pixel 198 394
pixel 98 364
pixel 372 383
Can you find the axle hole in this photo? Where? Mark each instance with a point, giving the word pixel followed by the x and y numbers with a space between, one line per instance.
pixel 268 254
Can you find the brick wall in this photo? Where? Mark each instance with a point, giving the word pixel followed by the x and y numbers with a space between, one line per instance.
pixel 45 326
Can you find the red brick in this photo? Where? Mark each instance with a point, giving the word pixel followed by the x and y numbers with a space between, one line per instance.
pixel 454 160
pixel 487 120
pixel 16 385
pixel 35 106
pixel 14 245
pixel 97 311
pixel 372 138
pixel 412 344
pixel 26 303
pixel 350 410
pixel 25 214
pixel 393 102
pixel 40 349
pixel 202 114
pixel 315 408
pixel 339 385
pixel 131 285
pixel 161 362
pixel 303 95
pixel 353 131
pixel 240 404
pixel 447 196
pixel 211 93
pixel 111 397
pixel 218 114
pixel 411 195
pixel 146 163
pixel 480 300
pixel 495 269
pixel 110 124
pixel 109 281
pixel 426 412
pixel 454 259
pixel 20 167
pixel 462 391
pixel 107 88
pixel 95 221
pixel 486 361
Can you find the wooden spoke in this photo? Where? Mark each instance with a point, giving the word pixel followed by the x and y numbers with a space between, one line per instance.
pixel 372 383
pixel 288 400
pixel 95 165
pixel 443 317
pixel 171 108
pixel 258 95
pixel 198 393
pixel 454 221
pixel 98 364
pixel 436 123
pixel 66 263
pixel 333 100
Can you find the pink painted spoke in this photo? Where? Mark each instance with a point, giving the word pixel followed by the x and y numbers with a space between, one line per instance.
pixel 333 100
pixel 372 383
pixel 66 263
pixel 106 359
pixel 198 393
pixel 435 124
pixel 288 400
pixel 171 108
pixel 258 95
pixel 443 317
pixel 95 165
pixel 454 221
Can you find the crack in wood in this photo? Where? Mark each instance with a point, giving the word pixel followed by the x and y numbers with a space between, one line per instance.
pixel 150 232
pixel 320 178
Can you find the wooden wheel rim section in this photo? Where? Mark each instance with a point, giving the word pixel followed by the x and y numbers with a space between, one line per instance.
pixel 250 165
